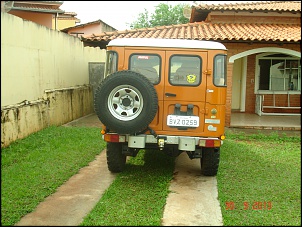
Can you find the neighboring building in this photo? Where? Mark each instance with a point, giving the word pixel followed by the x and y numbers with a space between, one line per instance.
pixel 67 19
pixel 41 12
pixel 47 13
pixel 264 51
pixel 94 27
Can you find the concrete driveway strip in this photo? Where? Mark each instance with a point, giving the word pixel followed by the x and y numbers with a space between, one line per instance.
pixel 193 200
pixel 74 199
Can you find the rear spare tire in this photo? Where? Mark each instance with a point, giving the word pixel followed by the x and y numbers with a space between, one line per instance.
pixel 126 102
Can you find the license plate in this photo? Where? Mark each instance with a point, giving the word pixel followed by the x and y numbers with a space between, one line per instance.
pixel 186 121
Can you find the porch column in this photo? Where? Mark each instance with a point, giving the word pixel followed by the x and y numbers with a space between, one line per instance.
pixel 229 94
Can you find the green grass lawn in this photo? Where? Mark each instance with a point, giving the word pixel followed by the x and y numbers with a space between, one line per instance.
pixel 258 180
pixel 138 195
pixel 33 168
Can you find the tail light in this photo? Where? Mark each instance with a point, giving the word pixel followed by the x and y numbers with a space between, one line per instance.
pixel 209 143
pixel 115 138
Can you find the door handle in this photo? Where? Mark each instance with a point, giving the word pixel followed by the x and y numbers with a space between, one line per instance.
pixel 170 94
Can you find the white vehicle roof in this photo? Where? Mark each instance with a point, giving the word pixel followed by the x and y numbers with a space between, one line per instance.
pixel 178 43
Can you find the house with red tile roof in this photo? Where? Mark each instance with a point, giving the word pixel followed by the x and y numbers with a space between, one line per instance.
pixel 41 12
pixel 49 14
pixel 46 13
pixel 67 19
pixel 94 27
pixel 264 51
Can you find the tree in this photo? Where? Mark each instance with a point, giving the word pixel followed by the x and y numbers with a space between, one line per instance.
pixel 164 15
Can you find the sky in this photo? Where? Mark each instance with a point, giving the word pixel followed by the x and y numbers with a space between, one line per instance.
pixel 117 14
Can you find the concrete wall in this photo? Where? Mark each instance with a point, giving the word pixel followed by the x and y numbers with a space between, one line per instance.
pixel 44 78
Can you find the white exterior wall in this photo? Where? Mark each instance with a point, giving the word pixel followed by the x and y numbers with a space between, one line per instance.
pixel 48 69
pixel 35 58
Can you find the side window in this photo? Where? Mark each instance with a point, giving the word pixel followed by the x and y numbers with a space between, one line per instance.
pixel 147 65
pixel 111 63
pixel 220 70
pixel 185 70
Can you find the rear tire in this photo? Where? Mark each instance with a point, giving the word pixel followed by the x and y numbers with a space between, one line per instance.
pixel 116 160
pixel 209 162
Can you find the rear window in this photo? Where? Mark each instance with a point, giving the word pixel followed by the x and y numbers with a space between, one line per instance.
pixel 147 65
pixel 185 70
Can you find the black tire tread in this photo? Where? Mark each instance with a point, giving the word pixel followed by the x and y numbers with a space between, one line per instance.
pixel 209 162
pixel 116 160
pixel 141 83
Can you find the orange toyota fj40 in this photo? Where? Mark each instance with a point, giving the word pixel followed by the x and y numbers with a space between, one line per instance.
pixel 165 94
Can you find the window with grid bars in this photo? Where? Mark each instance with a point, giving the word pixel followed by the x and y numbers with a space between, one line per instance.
pixel 279 72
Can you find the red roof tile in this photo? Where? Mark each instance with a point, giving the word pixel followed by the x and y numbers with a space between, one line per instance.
pixel 200 12
pixel 255 6
pixel 209 31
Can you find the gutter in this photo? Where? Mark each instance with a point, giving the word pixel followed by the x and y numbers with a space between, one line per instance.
pixel 37 10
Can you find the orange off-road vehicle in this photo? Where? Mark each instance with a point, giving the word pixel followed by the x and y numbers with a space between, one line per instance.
pixel 165 94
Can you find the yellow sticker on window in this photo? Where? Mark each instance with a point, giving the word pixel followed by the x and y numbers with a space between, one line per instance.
pixel 191 78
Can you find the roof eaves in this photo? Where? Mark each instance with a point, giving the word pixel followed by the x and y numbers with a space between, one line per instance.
pixel 86 24
pixel 38 10
pixel 40 2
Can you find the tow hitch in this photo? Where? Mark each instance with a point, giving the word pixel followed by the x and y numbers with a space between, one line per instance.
pixel 161 140
pixel 194 154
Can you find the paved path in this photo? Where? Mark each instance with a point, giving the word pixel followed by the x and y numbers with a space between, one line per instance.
pixel 193 200
pixel 74 199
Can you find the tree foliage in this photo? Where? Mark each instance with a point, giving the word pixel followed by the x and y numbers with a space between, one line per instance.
pixel 164 15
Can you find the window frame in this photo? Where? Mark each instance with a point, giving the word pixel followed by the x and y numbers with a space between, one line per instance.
pixel 148 54
pixel 108 54
pixel 267 56
pixel 184 84
pixel 224 70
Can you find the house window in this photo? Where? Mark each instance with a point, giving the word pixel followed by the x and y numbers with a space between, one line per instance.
pixel 279 72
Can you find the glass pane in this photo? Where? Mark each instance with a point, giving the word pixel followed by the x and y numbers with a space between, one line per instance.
pixel 220 70
pixel 277 84
pixel 147 65
pixel 185 70
pixel 264 74
pixel 294 74
pixel 290 64
pixel 278 75
pixel 111 63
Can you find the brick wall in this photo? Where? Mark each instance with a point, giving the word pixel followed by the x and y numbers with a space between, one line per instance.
pixel 281 100
pixel 250 96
